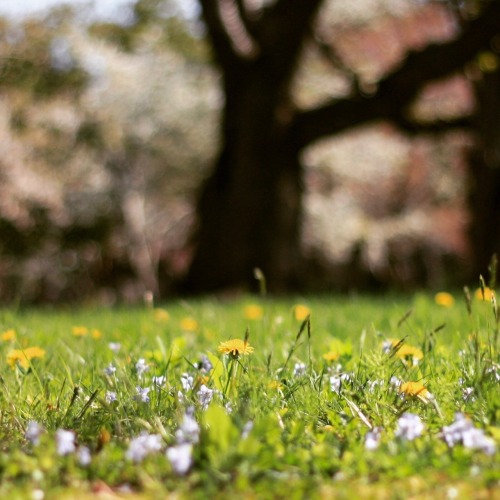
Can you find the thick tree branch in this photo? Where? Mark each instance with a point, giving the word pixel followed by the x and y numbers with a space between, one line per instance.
pixel 285 24
pixel 439 126
pixel 222 44
pixel 397 90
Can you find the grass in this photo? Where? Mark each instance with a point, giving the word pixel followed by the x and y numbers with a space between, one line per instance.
pixel 292 418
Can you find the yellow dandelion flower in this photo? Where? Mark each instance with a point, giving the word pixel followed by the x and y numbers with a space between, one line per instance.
pixel 444 299
pixel 80 331
pixel 189 324
pixel 415 389
pixel 24 356
pixel 203 379
pixel 410 353
pixel 327 428
pixel 488 294
pixel 301 312
pixel 161 315
pixel 235 347
pixel 9 335
pixel 274 384
pixel 96 334
pixel 253 311
pixel 331 356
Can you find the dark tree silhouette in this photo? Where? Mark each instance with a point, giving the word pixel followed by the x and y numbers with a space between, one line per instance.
pixel 249 209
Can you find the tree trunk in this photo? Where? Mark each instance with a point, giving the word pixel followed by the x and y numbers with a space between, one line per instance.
pixel 249 208
pixel 484 175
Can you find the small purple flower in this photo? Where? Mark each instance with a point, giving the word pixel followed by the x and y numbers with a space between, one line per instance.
pixel 462 431
pixel 33 432
pixel 84 456
pixel 142 446
pixel 189 430
pixel 409 427
pixel 180 458
pixel 110 370
pixel 142 394
pixel 115 346
pixel 65 442
pixel 159 381
pixel 204 364
pixel 205 396
pixel 110 396
pixel 372 438
pixel 187 382
pixel 141 367
pixel 299 370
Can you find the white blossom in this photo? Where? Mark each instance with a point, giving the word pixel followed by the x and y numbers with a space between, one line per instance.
pixel 204 364
pixel 142 446
pixel 336 381
pixel 84 456
pixel 372 438
pixel 110 370
pixel 299 370
pixel 462 431
pixel 387 346
pixel 115 346
pixel 180 457
pixel 33 432
pixel 205 396
pixel 247 428
pixel 395 382
pixel 468 394
pixel 141 367
pixel 159 381
pixel 409 427
pixel 188 431
pixel 372 384
pixel 187 382
pixel 65 442
pixel 110 396
pixel 142 394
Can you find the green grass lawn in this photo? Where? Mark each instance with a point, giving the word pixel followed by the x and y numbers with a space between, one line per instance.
pixel 345 397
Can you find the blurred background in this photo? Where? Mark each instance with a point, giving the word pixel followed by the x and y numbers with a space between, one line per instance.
pixel 174 146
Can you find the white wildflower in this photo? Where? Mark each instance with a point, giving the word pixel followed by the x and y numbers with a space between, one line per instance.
pixel 110 370
pixel 188 431
pixel 204 364
pixel 65 442
pixel 84 456
pixel 159 381
pixel 141 367
pixel 142 394
pixel 142 446
pixel 387 346
pixel 372 438
pixel 409 427
pixel 468 394
pixel 373 384
pixel 187 382
pixel 180 458
pixel 299 370
pixel 494 371
pixel 33 432
pixel 462 431
pixel 110 396
pixel 205 396
pixel 395 382
pixel 336 381
pixel 115 346
pixel 247 428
